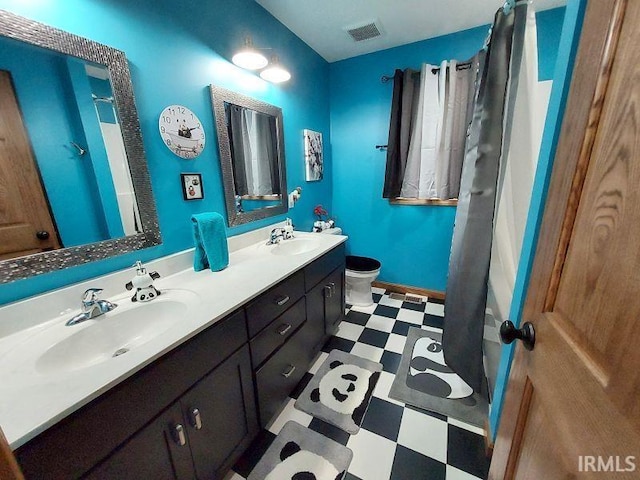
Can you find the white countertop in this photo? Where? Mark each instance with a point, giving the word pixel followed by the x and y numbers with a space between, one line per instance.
pixel 31 402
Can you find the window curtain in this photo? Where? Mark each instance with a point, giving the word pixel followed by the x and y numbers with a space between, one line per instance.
pixel 467 282
pixel 404 106
pixel 429 118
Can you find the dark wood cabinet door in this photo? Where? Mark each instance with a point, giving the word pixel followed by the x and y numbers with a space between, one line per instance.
pixel 334 300
pixel 315 314
pixel 220 412
pixel 154 453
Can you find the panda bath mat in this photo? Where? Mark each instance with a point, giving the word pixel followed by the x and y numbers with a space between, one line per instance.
pixel 425 381
pixel 340 392
pixel 300 453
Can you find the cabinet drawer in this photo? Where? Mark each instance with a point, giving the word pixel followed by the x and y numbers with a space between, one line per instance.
pixel 262 311
pixel 269 339
pixel 323 266
pixel 280 374
pixel 127 407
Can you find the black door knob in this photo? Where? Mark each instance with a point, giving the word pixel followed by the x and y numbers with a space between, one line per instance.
pixel 509 333
pixel 42 235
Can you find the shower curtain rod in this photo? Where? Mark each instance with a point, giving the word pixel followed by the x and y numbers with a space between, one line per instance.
pixel 459 66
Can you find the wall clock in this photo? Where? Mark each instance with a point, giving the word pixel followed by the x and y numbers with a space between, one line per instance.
pixel 181 131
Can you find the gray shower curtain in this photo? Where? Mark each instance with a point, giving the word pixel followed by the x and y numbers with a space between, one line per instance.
pixel 467 283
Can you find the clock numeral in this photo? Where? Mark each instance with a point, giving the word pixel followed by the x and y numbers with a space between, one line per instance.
pixel 166 119
pixel 181 109
pixel 162 129
pixel 168 142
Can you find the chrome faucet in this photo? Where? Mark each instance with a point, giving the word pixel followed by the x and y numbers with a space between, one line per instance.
pixel 276 235
pixel 92 307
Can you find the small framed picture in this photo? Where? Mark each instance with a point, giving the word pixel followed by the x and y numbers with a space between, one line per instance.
pixel 192 186
pixel 313 155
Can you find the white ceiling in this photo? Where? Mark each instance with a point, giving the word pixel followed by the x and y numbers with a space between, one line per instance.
pixel 322 24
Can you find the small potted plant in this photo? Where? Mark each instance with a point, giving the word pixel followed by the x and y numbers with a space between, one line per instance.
pixel 321 224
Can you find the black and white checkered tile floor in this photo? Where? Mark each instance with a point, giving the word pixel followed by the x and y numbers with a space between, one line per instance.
pixel 396 441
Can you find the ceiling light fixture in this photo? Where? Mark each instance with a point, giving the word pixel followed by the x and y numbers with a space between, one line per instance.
pixel 275 73
pixel 249 57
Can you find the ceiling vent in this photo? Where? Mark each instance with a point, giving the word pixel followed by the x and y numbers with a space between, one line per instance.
pixel 364 32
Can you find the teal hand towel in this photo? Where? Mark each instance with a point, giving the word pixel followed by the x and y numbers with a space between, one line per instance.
pixel 210 238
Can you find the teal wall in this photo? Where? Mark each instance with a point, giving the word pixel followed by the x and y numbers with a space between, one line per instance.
pixel 411 242
pixel 175 50
pixel 568 46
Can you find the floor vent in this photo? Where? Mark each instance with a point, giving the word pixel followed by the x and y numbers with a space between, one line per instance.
pixel 413 299
pixel 364 32
pixel 397 296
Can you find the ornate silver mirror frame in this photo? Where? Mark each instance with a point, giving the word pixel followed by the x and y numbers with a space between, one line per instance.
pixel 38 34
pixel 220 96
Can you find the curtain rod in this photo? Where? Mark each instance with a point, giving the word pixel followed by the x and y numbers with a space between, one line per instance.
pixel 459 66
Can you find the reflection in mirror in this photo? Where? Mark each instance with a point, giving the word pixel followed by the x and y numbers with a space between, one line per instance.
pixel 251 154
pixel 74 185
pixel 253 139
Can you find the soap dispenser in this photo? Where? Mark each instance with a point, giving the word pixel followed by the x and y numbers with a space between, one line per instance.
pixel 143 284
pixel 288 229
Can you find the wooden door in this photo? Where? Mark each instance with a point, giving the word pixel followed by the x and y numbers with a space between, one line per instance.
pixel 572 408
pixel 9 469
pixel 23 206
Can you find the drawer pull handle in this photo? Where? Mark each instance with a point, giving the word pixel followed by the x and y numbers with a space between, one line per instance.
pixel 282 300
pixel 332 285
pixel 196 419
pixel 289 372
pixel 327 291
pixel 283 329
pixel 179 435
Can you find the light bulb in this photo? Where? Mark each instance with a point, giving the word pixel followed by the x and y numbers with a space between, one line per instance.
pixel 275 73
pixel 249 57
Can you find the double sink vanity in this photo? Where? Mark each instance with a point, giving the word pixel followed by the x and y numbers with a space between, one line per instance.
pixel 177 387
pixel 172 388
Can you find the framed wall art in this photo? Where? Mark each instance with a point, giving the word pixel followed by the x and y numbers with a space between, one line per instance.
pixel 313 155
pixel 192 186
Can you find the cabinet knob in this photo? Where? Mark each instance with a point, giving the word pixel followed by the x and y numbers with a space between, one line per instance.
pixel 179 436
pixel 196 419
pixel 42 235
pixel 282 300
pixel 289 371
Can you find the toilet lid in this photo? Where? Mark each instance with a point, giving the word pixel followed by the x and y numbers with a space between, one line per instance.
pixel 362 264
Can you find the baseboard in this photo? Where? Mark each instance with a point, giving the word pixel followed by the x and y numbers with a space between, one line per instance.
pixel 396 287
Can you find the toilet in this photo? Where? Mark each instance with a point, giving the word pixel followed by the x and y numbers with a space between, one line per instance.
pixel 360 274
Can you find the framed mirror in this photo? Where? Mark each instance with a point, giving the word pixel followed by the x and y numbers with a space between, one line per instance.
pixel 74 184
pixel 251 142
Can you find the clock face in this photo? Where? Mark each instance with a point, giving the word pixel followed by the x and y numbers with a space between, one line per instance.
pixel 181 131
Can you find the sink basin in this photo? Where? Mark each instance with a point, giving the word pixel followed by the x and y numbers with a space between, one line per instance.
pixel 114 333
pixel 295 246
